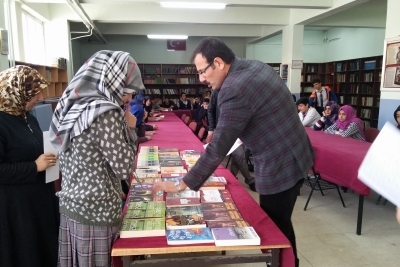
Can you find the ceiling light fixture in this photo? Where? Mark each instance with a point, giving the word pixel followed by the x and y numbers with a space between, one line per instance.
pixel 161 36
pixel 197 5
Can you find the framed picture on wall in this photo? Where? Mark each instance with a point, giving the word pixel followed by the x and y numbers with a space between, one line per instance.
pixel 391 77
pixel 297 64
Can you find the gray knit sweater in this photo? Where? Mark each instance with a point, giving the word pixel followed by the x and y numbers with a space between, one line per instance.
pixel 92 168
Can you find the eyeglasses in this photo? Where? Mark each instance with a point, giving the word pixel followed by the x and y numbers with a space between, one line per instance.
pixel 201 72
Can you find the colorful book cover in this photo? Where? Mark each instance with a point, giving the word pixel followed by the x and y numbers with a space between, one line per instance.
pixel 142 228
pixel 228 215
pixel 185 221
pixel 142 214
pixel 151 205
pixel 177 202
pixel 185 194
pixel 186 210
pixel 235 236
pixel 173 175
pixel 222 224
pixel 148 180
pixel 218 206
pixel 163 150
pixel 189 236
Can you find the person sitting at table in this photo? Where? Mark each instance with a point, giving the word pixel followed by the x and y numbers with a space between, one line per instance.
pixel 202 111
pixel 307 114
pixel 197 102
pixel 397 117
pixel 184 103
pixel 167 103
pixel 329 116
pixel 347 125
pixel 154 103
pixel 137 110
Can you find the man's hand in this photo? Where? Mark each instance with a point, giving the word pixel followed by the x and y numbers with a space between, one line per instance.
pixel 210 133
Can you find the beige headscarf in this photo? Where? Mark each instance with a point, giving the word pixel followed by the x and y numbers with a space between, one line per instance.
pixel 18 85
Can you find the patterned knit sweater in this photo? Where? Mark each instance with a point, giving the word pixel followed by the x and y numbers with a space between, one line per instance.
pixel 92 168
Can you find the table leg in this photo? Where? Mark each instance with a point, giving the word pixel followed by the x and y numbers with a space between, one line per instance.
pixel 275 257
pixel 360 213
pixel 126 261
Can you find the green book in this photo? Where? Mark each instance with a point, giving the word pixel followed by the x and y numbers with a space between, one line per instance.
pixel 144 214
pixel 151 205
pixel 142 228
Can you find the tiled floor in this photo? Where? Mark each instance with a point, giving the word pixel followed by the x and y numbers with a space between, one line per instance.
pixel 326 232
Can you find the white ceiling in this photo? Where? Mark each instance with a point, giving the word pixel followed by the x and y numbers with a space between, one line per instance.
pixel 249 18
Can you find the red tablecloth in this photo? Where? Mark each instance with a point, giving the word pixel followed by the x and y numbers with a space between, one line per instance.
pixel 174 133
pixel 338 159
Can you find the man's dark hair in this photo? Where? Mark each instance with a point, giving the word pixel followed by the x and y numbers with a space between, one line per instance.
pixel 211 48
pixel 302 100
pixel 316 81
pixel 183 93
pixel 206 100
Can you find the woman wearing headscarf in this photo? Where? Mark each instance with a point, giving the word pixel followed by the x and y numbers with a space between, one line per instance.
pixel 347 125
pixel 28 205
pixel 329 116
pixel 97 145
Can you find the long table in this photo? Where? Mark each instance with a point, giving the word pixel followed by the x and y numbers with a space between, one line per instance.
pixel 337 160
pixel 173 133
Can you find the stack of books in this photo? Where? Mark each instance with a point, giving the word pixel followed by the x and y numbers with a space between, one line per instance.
pixel 143 219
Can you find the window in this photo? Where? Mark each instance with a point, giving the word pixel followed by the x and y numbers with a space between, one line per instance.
pixel 33 37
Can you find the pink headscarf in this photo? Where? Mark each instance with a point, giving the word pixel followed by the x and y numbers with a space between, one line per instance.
pixel 350 117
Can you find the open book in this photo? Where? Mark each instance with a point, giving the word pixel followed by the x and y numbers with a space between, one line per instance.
pixel 237 143
pixel 379 169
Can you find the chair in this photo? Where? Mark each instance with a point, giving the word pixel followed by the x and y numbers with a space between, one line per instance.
pixel 183 117
pixel 315 180
pixel 370 135
pixel 187 120
pixel 201 133
pixel 193 126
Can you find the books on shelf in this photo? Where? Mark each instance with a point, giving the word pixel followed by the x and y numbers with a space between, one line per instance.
pixel 235 236
pixel 189 236
pixel 142 228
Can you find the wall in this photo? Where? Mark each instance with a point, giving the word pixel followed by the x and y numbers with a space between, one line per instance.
pixel 145 50
pixel 352 43
pixel 3 58
pixel 390 98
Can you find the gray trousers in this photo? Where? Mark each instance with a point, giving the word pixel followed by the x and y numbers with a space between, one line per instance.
pixel 238 162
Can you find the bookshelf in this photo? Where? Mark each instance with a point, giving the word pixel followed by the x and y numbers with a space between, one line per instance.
pixel 356 82
pixel 171 80
pixel 57 77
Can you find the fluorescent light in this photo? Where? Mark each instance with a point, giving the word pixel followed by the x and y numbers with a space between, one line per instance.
pixel 173 37
pixel 198 5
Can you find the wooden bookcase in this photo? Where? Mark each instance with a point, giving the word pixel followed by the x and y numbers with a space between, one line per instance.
pixel 356 82
pixel 57 77
pixel 171 80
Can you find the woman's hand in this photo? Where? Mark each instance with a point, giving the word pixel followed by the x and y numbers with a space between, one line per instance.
pixel 398 214
pixel 45 161
pixel 129 117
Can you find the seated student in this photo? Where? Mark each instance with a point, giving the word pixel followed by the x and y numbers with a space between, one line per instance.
pixel 397 117
pixel 196 103
pixel 347 125
pixel 167 103
pixel 320 96
pixel 184 103
pixel 329 116
pixel 138 111
pixel 307 114
pixel 154 103
pixel 202 111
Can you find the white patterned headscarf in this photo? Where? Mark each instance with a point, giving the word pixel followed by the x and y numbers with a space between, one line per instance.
pixel 97 87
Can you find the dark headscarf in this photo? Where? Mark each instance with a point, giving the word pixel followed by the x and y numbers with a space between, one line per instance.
pixel 18 85
pixel 395 119
pixel 332 118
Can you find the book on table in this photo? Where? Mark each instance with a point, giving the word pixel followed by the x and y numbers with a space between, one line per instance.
pixel 142 228
pixel 224 224
pixel 179 202
pixel 184 194
pixel 185 210
pixel 185 221
pixel 227 215
pixel 151 205
pixel 144 214
pixel 236 236
pixel 218 206
pixel 189 236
